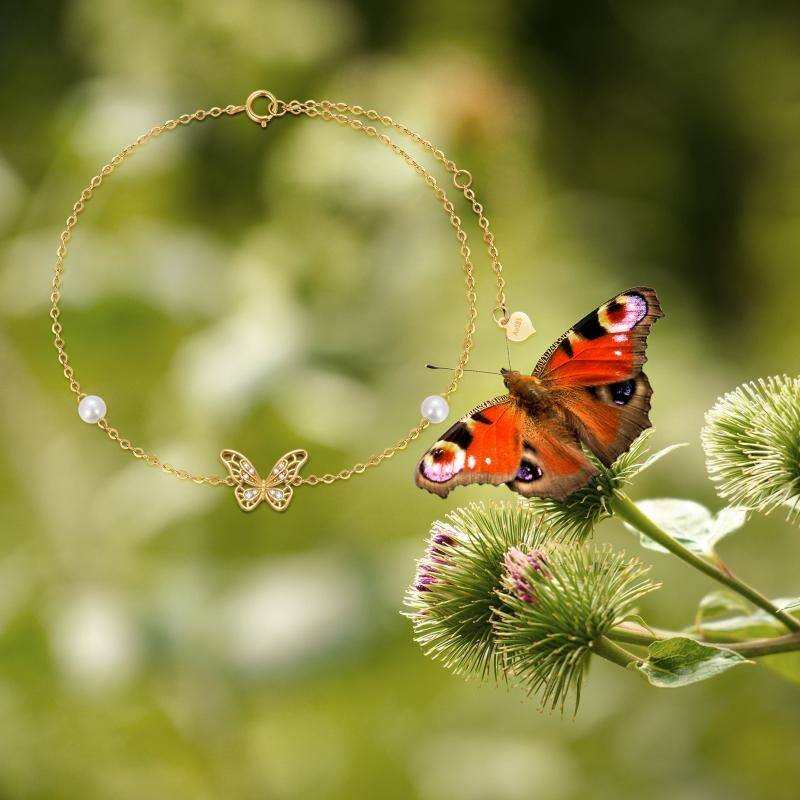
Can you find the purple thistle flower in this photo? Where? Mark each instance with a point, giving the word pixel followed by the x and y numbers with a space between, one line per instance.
pixel 517 563
pixel 435 556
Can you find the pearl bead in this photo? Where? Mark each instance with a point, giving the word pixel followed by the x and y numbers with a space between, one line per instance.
pixel 435 408
pixel 92 409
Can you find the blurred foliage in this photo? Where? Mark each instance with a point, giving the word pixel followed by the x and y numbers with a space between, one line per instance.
pixel 271 289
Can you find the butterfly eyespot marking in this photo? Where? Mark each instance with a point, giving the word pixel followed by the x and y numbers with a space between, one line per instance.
pixel 619 315
pixel 623 313
pixel 621 393
pixel 443 462
pixel 528 473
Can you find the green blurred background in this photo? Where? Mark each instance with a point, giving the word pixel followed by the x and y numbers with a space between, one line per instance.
pixel 271 289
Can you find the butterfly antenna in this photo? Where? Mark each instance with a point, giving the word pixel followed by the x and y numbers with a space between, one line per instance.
pixel 508 353
pixel 482 371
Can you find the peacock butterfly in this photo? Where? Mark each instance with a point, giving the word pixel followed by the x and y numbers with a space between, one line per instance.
pixel 587 389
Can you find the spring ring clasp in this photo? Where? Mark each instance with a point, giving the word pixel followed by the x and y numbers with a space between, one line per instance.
pixel 272 108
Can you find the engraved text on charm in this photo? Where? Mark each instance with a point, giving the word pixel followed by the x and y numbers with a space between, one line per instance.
pixel 519 327
pixel 276 489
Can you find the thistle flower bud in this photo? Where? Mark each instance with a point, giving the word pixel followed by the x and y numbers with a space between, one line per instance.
pixel 752 445
pixel 457 580
pixel 442 539
pixel 516 562
pixel 554 608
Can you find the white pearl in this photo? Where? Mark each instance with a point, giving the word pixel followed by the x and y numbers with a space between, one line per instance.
pixel 435 408
pixel 92 408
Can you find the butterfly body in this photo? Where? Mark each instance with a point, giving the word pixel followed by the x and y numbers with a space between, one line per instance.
pixel 588 390
pixel 528 391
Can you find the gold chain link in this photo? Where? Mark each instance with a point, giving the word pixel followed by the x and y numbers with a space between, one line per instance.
pixel 348 116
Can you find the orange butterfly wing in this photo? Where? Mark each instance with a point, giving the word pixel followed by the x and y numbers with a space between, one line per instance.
pixel 595 372
pixel 501 443
pixel 606 346
pixel 485 446
pixel 553 463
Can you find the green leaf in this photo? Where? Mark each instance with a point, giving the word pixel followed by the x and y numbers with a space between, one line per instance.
pixel 718 604
pixel 754 625
pixel 690 523
pixel 648 462
pixel 680 661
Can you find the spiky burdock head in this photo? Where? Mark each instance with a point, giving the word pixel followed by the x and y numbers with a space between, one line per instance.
pixel 752 445
pixel 496 594
pixel 555 604
pixel 576 517
pixel 455 588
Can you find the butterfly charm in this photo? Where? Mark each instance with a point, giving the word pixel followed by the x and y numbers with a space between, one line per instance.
pixel 588 390
pixel 251 489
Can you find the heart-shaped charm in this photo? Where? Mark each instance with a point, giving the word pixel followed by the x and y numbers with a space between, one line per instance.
pixel 519 327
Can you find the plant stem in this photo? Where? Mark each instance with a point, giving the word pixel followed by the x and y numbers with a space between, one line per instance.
pixel 628 511
pixel 613 652
pixel 631 633
pixel 767 647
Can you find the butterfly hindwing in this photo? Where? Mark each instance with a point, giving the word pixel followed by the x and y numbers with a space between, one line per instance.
pixel 610 417
pixel 553 463
pixel 279 496
pixel 247 497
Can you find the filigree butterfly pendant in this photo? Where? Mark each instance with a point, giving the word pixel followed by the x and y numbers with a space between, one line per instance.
pixel 251 489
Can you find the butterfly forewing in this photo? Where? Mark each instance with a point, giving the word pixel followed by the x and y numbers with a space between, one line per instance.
pixel 606 346
pixel 287 467
pixel 240 468
pixel 485 446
